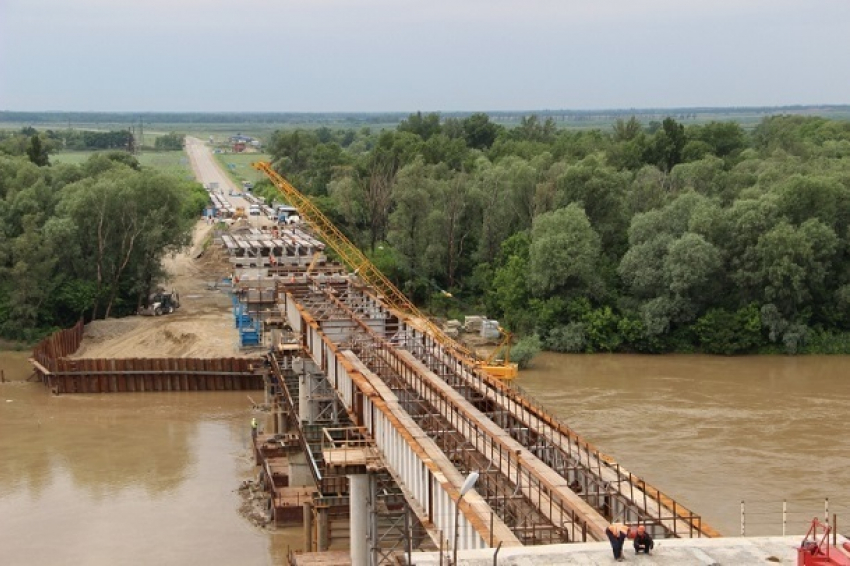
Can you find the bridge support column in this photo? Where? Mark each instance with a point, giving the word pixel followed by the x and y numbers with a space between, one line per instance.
pixel 322 529
pixel 358 496
pixel 308 526
pixel 304 397
pixel 282 422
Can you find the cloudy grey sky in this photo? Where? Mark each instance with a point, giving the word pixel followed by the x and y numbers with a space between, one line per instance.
pixel 404 55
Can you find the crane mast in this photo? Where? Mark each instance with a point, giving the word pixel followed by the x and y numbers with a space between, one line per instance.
pixel 357 261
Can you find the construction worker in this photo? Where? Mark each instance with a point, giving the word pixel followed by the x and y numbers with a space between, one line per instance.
pixel 617 535
pixel 643 541
pixel 254 427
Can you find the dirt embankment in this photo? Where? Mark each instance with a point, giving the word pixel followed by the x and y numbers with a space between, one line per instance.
pixel 201 328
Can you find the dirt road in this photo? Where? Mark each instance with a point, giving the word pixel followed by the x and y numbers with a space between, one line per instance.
pixel 203 326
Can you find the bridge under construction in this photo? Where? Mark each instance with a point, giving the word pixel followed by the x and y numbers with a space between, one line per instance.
pixel 391 422
pixel 392 417
pixel 386 439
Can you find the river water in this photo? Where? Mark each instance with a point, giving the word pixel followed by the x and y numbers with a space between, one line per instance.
pixel 152 478
pixel 712 431
pixel 126 478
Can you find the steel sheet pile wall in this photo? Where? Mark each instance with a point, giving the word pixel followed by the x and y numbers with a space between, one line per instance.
pixel 108 375
pixel 58 345
pixel 153 374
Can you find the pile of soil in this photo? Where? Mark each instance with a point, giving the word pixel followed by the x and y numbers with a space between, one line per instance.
pixel 201 328
pixel 255 504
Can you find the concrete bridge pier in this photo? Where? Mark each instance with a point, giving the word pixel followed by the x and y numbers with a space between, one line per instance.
pixel 308 526
pixel 322 542
pixel 358 489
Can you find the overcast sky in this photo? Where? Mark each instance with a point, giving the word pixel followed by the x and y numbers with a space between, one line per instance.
pixel 406 55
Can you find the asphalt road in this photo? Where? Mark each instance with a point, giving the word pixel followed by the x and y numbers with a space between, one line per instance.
pixel 207 170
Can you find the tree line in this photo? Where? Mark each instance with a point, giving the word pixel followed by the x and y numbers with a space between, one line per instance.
pixel 84 240
pixel 81 140
pixel 648 237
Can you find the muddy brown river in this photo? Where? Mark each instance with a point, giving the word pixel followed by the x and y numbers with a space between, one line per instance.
pixel 126 478
pixel 712 431
pixel 152 478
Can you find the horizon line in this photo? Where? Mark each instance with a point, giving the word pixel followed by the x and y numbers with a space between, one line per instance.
pixel 647 109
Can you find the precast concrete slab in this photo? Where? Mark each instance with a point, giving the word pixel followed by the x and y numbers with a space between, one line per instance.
pixel 731 551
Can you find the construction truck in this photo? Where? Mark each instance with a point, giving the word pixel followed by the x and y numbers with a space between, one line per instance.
pixel 239 213
pixel 161 303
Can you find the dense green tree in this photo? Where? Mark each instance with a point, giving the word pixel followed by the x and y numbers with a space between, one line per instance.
pixel 635 239
pixel 479 131
pixel 493 193
pixel 422 126
pixel 169 142
pixel 706 176
pixel 449 227
pixel 665 149
pixel 36 151
pixel 510 293
pixel 564 254
pixel 600 191
pixel 722 138
pixel 412 205
pixel 794 263
pixel 626 130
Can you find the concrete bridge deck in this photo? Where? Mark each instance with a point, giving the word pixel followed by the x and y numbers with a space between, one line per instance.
pixel 749 551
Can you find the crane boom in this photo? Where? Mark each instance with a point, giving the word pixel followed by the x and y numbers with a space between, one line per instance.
pixel 357 261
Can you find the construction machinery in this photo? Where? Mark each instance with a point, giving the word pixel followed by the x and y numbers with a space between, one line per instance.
pixel 816 548
pixel 161 303
pixel 498 363
pixel 351 256
pixel 239 213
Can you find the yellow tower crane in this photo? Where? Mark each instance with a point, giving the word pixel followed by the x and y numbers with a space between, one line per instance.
pixel 357 261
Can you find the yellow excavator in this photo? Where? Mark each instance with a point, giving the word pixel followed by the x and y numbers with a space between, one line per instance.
pixel 351 256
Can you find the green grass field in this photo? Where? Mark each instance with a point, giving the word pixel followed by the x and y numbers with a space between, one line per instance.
pixel 238 165
pixel 172 162
pixel 169 162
